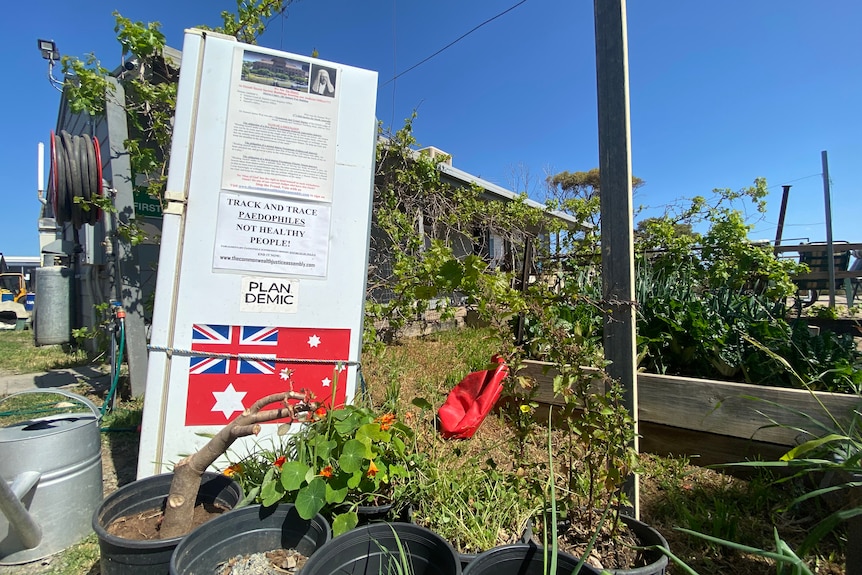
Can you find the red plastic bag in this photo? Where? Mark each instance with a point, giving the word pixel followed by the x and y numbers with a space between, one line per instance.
pixel 471 400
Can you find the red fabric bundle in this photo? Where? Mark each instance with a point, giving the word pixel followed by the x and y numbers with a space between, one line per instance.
pixel 471 400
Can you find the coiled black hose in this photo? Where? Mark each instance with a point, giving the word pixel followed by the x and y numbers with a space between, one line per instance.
pixel 76 173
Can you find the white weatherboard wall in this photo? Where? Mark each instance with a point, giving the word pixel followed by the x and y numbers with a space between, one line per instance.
pixel 264 242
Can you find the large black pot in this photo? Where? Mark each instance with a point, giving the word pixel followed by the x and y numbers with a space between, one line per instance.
pixel 121 556
pixel 375 548
pixel 254 529
pixel 656 561
pixel 522 559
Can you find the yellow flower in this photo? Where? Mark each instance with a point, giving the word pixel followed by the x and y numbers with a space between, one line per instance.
pixel 525 408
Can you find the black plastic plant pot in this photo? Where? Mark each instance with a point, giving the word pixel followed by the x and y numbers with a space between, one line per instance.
pixel 655 561
pixel 371 513
pixel 525 538
pixel 120 556
pixel 254 529
pixel 522 559
pixel 385 548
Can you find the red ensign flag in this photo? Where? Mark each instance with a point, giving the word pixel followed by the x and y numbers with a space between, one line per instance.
pixel 220 389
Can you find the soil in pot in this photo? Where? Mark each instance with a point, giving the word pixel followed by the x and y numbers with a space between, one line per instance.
pixel 147 524
pixel 137 554
pixel 275 562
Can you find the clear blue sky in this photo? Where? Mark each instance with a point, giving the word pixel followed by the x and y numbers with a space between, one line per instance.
pixel 721 92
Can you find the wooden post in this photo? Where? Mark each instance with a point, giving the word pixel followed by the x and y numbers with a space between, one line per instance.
pixel 616 204
pixel 525 280
pixel 779 232
pixel 830 254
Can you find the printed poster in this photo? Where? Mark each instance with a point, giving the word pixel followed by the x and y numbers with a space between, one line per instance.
pixel 281 126
pixel 264 234
pixel 220 389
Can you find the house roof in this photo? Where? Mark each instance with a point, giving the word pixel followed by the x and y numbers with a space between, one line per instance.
pixel 493 191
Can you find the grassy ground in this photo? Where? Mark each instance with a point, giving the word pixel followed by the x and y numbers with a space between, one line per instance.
pixel 19 355
pixel 509 459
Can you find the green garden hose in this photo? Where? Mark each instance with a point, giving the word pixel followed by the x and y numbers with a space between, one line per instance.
pixel 119 361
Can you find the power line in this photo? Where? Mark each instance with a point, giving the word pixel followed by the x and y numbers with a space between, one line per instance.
pixel 817 175
pixel 452 43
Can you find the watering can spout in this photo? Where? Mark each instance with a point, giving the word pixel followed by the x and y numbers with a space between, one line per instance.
pixel 28 530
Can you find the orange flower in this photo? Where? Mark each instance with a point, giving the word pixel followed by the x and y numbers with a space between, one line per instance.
pixel 320 412
pixel 372 469
pixel 326 471
pixel 233 470
pixel 279 462
pixel 386 420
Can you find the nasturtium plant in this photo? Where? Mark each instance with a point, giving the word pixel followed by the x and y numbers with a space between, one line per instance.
pixel 345 458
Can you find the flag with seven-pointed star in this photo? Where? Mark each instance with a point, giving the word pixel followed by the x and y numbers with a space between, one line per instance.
pixel 220 388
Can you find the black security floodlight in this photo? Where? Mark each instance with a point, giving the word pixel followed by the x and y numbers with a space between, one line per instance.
pixel 49 50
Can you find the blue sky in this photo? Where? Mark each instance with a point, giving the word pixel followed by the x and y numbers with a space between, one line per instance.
pixel 721 92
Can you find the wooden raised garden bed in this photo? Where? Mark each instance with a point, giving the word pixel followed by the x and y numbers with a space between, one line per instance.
pixel 715 421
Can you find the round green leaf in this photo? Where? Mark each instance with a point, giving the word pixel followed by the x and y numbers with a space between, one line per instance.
pixel 353 480
pixel 373 432
pixel 311 498
pixel 352 456
pixel 335 495
pixel 293 475
pixel 344 522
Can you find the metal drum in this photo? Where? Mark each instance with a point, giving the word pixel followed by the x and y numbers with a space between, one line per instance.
pixel 50 481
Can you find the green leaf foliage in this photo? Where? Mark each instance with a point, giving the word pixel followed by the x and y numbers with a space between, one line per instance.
pixel 344 522
pixel 293 475
pixel 353 455
pixel 311 499
pixel 347 457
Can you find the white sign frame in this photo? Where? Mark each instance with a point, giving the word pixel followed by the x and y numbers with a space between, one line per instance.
pixel 191 292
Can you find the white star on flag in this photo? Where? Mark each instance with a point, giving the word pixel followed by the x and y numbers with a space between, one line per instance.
pixel 325 381
pixel 285 374
pixel 228 401
pixel 313 341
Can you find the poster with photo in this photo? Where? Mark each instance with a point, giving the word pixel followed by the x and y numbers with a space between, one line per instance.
pixel 281 126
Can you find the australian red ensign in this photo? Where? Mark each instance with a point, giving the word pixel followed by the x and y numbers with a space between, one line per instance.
pixel 220 389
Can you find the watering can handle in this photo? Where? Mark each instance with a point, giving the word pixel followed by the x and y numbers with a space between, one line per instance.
pixel 64 393
pixel 28 529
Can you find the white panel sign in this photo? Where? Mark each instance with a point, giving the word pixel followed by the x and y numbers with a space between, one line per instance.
pixel 261 234
pixel 269 189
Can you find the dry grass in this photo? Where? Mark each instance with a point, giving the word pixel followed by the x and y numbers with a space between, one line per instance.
pixel 674 493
